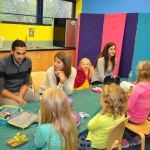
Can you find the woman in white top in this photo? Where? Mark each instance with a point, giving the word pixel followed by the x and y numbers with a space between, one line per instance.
pixel 104 64
pixel 61 75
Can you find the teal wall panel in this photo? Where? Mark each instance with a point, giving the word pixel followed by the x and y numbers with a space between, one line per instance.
pixel 142 42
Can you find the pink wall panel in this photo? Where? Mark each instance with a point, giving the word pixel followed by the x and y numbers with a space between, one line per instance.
pixel 113 31
pixel 77 40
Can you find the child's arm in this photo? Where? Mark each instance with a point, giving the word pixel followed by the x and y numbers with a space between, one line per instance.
pixel 39 138
pixel 94 123
pixel 133 97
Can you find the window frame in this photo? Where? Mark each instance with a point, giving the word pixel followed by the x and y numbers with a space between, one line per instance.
pixel 39 14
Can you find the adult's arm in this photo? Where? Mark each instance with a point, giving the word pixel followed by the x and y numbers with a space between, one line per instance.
pixel 51 78
pixel 7 94
pixel 25 85
pixel 100 65
pixel 28 73
pixel 112 72
pixel 23 90
pixel 69 84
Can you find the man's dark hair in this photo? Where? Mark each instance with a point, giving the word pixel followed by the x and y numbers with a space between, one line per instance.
pixel 18 43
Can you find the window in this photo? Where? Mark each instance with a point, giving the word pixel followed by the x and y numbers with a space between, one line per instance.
pixel 56 9
pixel 19 11
pixel 35 11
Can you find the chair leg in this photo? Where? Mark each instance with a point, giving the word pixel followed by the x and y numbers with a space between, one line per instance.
pixel 142 140
pixel 119 147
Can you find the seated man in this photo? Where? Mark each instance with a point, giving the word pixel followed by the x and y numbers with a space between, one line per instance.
pixel 15 72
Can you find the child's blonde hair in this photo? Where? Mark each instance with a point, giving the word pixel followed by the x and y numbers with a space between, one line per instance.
pixel 55 109
pixel 143 71
pixel 115 100
pixel 82 60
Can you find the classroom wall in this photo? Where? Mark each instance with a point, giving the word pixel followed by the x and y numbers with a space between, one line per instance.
pixel 115 6
pixel 141 7
pixel 78 8
pixel 43 35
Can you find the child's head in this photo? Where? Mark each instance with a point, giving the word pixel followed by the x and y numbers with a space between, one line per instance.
pixel 53 104
pixel 85 63
pixel 54 109
pixel 143 71
pixel 113 100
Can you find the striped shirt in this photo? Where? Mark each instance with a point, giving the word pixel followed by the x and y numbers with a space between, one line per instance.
pixel 12 77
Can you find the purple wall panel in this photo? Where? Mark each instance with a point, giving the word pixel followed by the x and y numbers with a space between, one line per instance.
pixel 128 44
pixel 90 36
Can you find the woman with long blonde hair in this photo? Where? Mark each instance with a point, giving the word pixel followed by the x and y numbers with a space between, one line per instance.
pixel 56 129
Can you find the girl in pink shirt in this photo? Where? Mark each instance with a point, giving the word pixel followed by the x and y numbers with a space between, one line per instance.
pixel 139 102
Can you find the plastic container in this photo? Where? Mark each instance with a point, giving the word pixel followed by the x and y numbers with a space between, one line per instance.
pixel 130 77
pixel 70 101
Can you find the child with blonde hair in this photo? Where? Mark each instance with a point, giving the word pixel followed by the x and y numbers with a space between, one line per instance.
pixel 56 129
pixel 114 103
pixel 138 103
pixel 82 79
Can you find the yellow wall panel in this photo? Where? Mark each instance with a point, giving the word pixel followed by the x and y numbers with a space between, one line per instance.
pixel 78 7
pixel 14 31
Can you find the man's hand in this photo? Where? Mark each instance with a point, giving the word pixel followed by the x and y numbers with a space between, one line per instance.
pixel 21 101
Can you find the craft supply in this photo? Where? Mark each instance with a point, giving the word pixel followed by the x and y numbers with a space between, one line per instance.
pixel 83 114
pixel 14 144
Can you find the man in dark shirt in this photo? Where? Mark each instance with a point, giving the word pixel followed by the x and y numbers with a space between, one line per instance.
pixel 15 72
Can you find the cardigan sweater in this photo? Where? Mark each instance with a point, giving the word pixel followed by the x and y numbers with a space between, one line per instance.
pixel 99 73
pixel 51 81
pixel 13 77
pixel 46 134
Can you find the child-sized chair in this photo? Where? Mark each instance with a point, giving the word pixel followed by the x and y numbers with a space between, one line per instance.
pixel 37 79
pixel 116 134
pixel 140 129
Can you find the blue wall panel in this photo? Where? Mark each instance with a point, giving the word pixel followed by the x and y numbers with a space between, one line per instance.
pixel 115 6
pixel 142 42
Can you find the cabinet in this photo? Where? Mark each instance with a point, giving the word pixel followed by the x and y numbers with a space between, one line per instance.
pixel 40 60
pixel 43 59
pixel 2 54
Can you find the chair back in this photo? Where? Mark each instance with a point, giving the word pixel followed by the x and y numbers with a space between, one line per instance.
pixel 116 134
pixel 37 79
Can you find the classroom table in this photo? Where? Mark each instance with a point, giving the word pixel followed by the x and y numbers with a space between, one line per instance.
pixel 83 101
